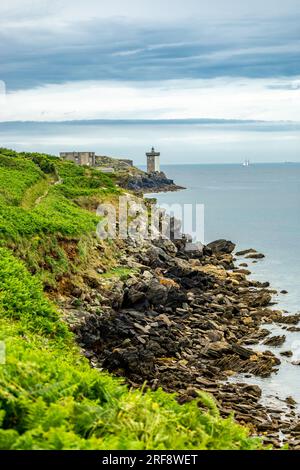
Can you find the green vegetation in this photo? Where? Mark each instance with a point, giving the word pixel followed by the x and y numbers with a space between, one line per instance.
pixel 121 272
pixel 50 397
pixel 17 175
pixel 41 209
pixel 36 192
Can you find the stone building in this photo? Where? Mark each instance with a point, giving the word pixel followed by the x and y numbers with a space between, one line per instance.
pixel 153 164
pixel 80 158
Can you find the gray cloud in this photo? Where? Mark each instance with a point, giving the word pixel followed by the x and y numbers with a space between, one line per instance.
pixel 34 53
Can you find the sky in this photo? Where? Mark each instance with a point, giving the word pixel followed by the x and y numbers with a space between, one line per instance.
pixel 133 64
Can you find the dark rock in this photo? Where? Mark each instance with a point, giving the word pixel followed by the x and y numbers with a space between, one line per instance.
pixel 217 349
pixel 167 246
pixel 76 291
pixel 242 352
pixel 135 295
pixel 221 246
pixel 275 341
pixel 293 329
pixel 291 401
pixel 175 297
pixel 290 319
pixel 194 250
pixel 149 182
pixel 255 256
pixel 215 335
pixel 157 294
pixel 252 390
pixel 286 353
pixel 262 299
pixel 156 256
pixel 245 252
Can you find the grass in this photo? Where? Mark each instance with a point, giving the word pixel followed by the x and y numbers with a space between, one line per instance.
pixel 36 215
pixel 17 175
pixel 36 192
pixel 121 272
pixel 50 397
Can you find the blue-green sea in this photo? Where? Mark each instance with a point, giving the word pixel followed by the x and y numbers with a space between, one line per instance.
pixel 256 206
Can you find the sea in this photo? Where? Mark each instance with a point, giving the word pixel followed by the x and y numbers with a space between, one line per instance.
pixel 255 206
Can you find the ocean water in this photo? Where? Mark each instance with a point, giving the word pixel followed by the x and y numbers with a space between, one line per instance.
pixel 256 207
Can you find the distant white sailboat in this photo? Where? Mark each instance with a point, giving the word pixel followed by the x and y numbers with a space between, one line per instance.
pixel 246 163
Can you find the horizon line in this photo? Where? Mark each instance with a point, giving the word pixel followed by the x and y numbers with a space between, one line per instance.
pixel 152 121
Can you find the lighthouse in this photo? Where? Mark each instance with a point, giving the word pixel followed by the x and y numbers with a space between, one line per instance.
pixel 153 161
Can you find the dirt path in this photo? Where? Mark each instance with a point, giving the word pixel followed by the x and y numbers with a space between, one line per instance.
pixel 30 201
pixel 40 198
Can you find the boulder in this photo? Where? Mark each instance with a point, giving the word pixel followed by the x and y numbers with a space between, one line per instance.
pixel 157 293
pixel 221 246
pixel 167 245
pixel 245 252
pixel 286 353
pixel 255 255
pixel 275 341
pixel 262 299
pixel 156 256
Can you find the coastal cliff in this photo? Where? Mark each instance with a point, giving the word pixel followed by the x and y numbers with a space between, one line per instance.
pixel 135 179
pixel 82 316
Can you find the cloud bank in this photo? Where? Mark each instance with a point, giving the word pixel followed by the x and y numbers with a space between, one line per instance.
pixel 45 42
pixel 222 98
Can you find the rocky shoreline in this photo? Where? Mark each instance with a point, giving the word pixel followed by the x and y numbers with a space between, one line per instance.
pixel 185 321
pixel 142 183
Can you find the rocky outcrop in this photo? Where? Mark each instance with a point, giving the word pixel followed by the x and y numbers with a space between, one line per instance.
pixel 250 254
pixel 144 182
pixel 186 324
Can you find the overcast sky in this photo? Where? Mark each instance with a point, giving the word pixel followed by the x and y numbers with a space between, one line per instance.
pixel 150 59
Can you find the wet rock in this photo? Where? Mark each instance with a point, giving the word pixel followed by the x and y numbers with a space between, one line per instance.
pixel 221 246
pixel 255 256
pixel 261 299
pixel 286 353
pixel 290 319
pixel 245 252
pixel 275 340
pixel 291 401
pixel 254 390
pixel 245 272
pixel 283 292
